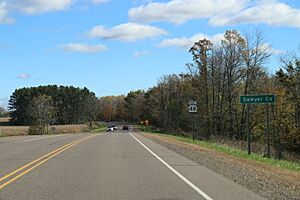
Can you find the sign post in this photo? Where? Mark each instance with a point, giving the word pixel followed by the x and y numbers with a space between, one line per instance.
pixel 193 109
pixel 268 132
pixel 258 99
pixel 248 129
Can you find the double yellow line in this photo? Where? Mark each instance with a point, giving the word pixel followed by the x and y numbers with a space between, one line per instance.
pixel 18 173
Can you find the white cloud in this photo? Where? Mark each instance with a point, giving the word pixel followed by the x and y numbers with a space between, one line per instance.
pixel 219 12
pixel 30 7
pixel 270 12
pixel 100 1
pixel 140 53
pixel 180 11
pixel 83 48
pixel 140 2
pixel 129 32
pixel 3 14
pixel 40 6
pixel 37 7
pixel 186 43
pixel 24 76
pixel 268 47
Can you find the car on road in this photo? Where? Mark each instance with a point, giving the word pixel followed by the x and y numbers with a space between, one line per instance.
pixel 114 127
pixel 125 128
pixel 110 129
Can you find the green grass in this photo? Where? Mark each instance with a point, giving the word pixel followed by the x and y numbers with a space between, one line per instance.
pixel 283 164
pixel 99 129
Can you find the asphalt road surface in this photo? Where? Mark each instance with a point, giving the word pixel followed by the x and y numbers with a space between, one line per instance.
pixel 108 166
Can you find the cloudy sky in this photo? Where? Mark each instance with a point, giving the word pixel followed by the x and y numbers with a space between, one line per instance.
pixel 114 46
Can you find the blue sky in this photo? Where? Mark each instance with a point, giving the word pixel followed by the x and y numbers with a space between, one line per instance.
pixel 114 46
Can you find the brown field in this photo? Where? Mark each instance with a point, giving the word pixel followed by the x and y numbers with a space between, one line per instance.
pixel 58 129
pixel 74 128
pixel 13 130
pixel 4 119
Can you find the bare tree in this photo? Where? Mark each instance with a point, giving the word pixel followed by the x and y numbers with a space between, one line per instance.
pixel 201 51
pixel 41 112
pixel 255 54
pixel 2 112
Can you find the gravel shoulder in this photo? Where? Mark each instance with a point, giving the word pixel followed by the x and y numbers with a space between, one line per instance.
pixel 264 179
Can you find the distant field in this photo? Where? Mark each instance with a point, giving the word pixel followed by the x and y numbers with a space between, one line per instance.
pixel 13 130
pixel 4 120
pixel 74 128
pixel 23 130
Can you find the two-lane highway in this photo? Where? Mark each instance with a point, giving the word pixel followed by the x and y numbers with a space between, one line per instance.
pixel 108 166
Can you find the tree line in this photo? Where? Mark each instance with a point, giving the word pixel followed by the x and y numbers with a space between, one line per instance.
pixel 52 104
pixel 216 77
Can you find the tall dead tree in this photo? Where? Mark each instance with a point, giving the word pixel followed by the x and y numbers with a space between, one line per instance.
pixel 201 51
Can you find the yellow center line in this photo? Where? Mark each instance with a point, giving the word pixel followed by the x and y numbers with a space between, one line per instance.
pixel 51 155
pixel 21 168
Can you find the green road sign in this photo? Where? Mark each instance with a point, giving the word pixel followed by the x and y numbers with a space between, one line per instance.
pixel 257 99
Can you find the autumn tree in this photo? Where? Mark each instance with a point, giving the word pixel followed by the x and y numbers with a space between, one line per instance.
pixel 121 109
pixel 289 119
pixel 111 108
pixel 135 105
pixel 233 44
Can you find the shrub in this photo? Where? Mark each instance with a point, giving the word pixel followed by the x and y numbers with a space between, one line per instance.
pixel 36 130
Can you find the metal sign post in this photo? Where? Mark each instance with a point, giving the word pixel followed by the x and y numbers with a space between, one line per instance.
pixel 258 99
pixel 193 109
pixel 248 130
pixel 268 131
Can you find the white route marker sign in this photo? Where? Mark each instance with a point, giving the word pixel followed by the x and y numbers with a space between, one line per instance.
pixel 192 106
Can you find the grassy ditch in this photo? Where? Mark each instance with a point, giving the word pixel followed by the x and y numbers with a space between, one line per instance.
pixel 283 164
pixel 99 128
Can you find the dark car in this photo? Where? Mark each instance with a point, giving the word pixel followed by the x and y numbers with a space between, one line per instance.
pixel 125 128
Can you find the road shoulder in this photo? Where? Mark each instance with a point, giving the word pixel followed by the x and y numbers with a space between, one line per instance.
pixel 216 186
pixel 263 179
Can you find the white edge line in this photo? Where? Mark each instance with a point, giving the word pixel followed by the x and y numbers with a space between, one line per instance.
pixel 193 186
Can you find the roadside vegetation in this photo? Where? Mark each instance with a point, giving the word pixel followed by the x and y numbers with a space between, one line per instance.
pixel 216 77
pixel 294 166
pixel 53 129
pixel 98 128
pixel 40 107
